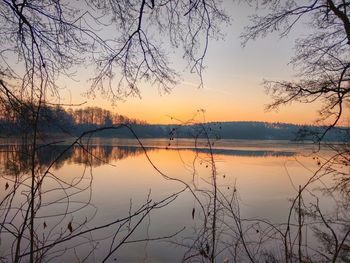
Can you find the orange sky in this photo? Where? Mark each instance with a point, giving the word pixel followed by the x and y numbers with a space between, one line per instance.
pixel 225 103
pixel 232 83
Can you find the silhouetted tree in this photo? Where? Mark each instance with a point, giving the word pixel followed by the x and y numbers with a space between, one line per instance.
pixel 322 60
pixel 322 53
pixel 42 41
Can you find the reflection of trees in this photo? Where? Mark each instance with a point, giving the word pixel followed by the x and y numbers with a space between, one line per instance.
pixel 45 40
pixel 63 212
pixel 316 227
pixel 322 63
pixel 97 155
pixel 14 159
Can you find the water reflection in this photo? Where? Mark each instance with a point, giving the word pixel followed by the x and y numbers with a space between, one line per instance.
pixel 259 177
pixel 239 152
pixel 15 158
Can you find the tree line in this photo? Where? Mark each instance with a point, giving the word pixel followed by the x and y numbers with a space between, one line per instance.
pixel 56 120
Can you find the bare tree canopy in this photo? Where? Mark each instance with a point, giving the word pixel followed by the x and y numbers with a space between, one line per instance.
pixel 322 55
pixel 127 41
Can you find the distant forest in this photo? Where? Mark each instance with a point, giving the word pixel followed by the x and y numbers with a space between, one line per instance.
pixel 57 121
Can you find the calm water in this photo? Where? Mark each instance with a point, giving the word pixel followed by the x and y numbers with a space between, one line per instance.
pixel 110 179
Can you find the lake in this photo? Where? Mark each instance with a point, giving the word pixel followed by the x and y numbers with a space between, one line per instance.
pixel 101 181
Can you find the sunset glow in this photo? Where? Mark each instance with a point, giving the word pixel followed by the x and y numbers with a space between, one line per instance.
pixel 232 91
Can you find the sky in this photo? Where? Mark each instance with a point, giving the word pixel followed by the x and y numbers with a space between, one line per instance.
pixel 233 77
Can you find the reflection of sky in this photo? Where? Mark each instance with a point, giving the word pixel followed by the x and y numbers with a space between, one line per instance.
pixel 263 183
pixel 15 158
